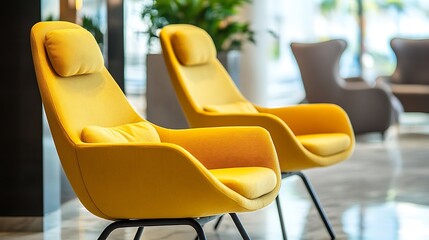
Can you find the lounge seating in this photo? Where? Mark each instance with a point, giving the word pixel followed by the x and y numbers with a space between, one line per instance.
pixel 130 171
pixel 410 80
pixel 306 136
pixel 370 108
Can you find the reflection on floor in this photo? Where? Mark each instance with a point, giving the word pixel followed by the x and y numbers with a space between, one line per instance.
pixel 380 193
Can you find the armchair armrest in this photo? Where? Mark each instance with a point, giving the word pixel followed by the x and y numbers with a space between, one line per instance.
pixel 376 97
pixel 354 79
pixel 384 79
pixel 313 118
pixel 223 147
pixel 278 129
pixel 384 82
pixel 277 120
pixel 149 180
pixel 353 86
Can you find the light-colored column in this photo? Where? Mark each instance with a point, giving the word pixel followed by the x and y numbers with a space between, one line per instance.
pixel 253 66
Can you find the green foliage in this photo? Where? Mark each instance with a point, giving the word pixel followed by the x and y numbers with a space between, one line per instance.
pixel 93 28
pixel 50 17
pixel 214 16
pixel 398 5
pixel 327 6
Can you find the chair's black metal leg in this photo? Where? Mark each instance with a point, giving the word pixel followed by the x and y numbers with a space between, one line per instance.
pixel 199 229
pixel 317 204
pixel 383 135
pixel 215 226
pixel 239 226
pixel 195 223
pixel 108 230
pixel 282 223
pixel 138 233
pixel 218 222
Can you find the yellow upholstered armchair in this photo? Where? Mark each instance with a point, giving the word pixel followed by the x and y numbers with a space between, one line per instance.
pixel 305 136
pixel 128 170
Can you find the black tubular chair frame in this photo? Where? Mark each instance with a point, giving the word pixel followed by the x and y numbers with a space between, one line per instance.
pixel 196 223
pixel 314 198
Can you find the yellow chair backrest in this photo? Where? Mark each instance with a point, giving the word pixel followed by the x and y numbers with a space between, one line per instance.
pixel 210 84
pixel 68 97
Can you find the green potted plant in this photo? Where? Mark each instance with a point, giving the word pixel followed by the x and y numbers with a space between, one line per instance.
pixel 217 17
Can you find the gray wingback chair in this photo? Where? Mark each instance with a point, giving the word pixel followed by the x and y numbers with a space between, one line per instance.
pixel 410 79
pixel 371 108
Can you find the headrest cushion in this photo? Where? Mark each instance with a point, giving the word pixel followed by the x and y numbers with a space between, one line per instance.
pixel 193 46
pixel 73 52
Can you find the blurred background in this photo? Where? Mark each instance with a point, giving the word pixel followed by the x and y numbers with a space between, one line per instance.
pixel 367 26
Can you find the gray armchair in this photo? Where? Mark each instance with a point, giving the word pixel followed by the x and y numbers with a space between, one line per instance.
pixel 371 108
pixel 410 79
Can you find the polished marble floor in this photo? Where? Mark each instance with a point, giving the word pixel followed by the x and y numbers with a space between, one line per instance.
pixel 380 193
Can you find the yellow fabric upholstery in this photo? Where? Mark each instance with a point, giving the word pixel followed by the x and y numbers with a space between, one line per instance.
pixel 73 52
pixel 194 46
pixel 208 97
pixel 136 169
pixel 132 132
pixel 305 135
pixel 325 144
pixel 251 182
pixel 242 107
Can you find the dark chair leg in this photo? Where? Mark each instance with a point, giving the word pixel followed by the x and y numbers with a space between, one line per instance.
pixel 313 196
pixel 195 223
pixel 383 135
pixel 108 230
pixel 218 222
pixel 199 229
pixel 280 212
pixel 317 204
pixel 138 233
pixel 215 226
pixel 239 226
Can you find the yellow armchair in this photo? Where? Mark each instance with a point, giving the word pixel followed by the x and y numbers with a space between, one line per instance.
pixel 305 136
pixel 130 171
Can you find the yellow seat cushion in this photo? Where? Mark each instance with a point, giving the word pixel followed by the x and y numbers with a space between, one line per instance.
pixel 325 144
pixel 250 182
pixel 73 52
pixel 236 107
pixel 133 132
